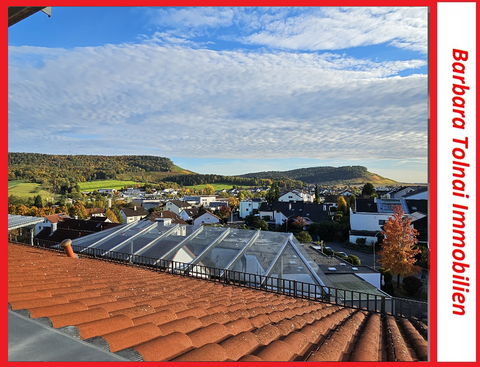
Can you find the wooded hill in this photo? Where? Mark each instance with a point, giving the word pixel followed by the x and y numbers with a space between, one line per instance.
pixel 61 172
pixel 325 175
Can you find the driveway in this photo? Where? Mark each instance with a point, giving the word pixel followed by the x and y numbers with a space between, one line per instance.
pixel 366 259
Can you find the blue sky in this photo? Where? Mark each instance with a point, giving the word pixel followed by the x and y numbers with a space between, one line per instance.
pixel 225 90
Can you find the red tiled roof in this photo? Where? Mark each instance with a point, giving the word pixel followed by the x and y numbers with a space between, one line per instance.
pixel 150 316
pixel 55 218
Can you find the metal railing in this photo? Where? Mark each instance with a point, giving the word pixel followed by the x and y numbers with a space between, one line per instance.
pixel 399 307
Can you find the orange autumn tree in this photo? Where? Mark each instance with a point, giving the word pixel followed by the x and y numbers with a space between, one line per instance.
pixel 398 247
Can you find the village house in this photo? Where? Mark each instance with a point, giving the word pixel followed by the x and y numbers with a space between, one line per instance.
pixel 177 206
pixel 134 214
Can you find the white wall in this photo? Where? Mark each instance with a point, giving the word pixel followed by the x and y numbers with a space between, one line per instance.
pixel 246 207
pixel 206 218
pixel 290 196
pixel 172 207
pixel 367 221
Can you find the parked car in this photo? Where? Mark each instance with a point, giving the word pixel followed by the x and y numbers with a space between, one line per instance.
pixel 342 253
pixel 329 248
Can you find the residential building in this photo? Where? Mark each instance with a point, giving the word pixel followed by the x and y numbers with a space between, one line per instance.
pixel 205 217
pixel 134 214
pixel 176 219
pixel 371 214
pixel 50 220
pixel 279 212
pixel 246 207
pixel 177 206
pixel 188 214
pixel 296 195
pixel 199 200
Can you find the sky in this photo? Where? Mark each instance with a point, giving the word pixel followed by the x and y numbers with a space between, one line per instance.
pixel 225 90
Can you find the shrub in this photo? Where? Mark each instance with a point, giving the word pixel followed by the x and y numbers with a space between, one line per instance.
pixel 412 285
pixel 327 252
pixel 304 236
pixel 355 260
pixel 361 241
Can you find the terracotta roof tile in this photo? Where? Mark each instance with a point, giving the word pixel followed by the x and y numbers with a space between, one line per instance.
pixel 57 300
pixel 266 334
pixel 368 344
pixel 135 311
pixel 131 336
pixel 277 351
pixel 157 318
pixel 259 320
pixel 240 345
pixel 238 326
pixel 219 318
pixel 104 326
pixel 185 325
pixel 46 311
pixel 164 347
pixel 206 353
pixel 78 317
pixel 212 333
pixel 112 306
pixel 297 341
pixel 152 316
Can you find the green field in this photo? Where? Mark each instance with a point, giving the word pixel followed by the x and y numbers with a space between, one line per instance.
pixel 27 189
pixel 216 186
pixel 105 184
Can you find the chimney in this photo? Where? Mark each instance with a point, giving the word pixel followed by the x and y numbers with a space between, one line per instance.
pixel 109 202
pixel 53 228
pixel 66 244
pixel 135 208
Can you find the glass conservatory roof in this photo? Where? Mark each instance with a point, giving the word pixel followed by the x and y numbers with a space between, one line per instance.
pixel 269 254
pixel 19 221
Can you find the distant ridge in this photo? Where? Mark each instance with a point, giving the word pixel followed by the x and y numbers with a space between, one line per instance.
pixel 326 175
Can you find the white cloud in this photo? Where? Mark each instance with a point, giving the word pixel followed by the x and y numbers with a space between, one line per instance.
pixel 184 102
pixel 312 28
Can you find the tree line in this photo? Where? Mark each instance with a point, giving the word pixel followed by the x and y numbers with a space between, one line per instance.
pixel 202 179
pixel 313 174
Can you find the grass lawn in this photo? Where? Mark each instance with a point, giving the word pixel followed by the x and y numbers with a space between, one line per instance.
pixel 27 189
pixel 105 184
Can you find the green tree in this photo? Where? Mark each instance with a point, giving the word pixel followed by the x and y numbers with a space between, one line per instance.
pixel 38 201
pixel 398 247
pixel 273 194
pixel 368 189
pixel 317 195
